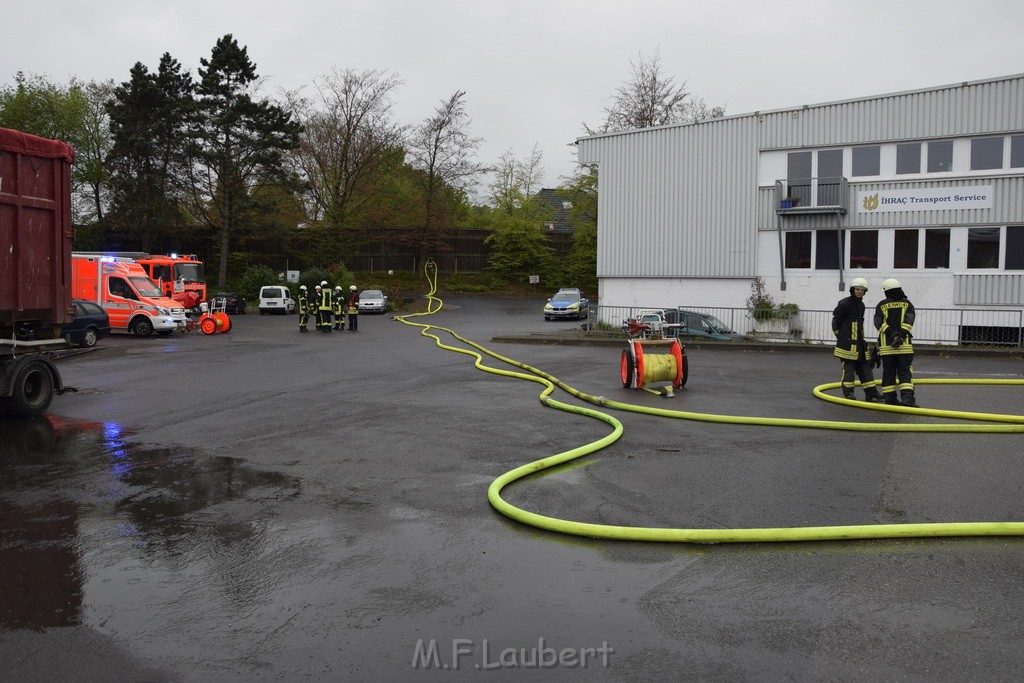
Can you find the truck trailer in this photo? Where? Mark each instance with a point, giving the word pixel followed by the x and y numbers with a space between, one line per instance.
pixel 35 268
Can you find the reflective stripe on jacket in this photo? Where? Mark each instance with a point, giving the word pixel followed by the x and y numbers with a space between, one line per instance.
pixel 894 316
pixel 848 327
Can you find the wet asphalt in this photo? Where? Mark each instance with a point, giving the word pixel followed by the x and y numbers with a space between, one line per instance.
pixel 268 505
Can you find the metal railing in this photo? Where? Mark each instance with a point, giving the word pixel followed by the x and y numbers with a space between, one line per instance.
pixel 812 195
pixel 932 326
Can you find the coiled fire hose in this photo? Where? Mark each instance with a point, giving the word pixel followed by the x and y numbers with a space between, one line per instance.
pixel 1008 424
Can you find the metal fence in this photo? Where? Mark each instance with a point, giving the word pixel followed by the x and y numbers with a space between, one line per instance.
pixel 932 326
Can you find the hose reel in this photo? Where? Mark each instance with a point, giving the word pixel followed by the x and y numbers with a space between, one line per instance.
pixel 639 368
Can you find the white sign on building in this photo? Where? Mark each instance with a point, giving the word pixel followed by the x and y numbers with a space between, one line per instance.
pixel 925 199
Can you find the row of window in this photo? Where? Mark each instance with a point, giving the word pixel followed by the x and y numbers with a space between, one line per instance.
pixel 911 248
pixel 909 158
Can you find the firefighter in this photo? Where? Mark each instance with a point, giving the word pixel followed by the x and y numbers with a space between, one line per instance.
pixel 894 318
pixel 325 306
pixel 339 308
pixel 851 347
pixel 353 309
pixel 303 309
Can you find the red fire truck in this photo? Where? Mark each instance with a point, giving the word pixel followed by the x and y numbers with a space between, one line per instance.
pixel 179 276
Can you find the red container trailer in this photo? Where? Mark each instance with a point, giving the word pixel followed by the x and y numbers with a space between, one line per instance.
pixel 35 267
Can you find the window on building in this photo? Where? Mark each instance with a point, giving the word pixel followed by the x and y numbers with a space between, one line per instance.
pixel 904 249
pixel 830 173
pixel 936 248
pixel 940 156
pixel 908 158
pixel 983 247
pixel 798 249
pixel 864 249
pixel 1016 151
pixel 1014 247
pixel 866 161
pixel 986 153
pixel 798 177
pixel 828 249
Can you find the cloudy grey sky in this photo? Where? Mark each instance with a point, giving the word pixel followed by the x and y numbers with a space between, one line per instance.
pixel 535 70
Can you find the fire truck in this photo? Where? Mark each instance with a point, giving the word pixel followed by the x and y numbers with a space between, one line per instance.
pixel 123 289
pixel 179 276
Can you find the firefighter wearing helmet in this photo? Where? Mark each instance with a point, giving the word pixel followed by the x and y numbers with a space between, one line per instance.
pixel 851 347
pixel 894 319
pixel 303 308
pixel 325 307
pixel 339 308
pixel 353 309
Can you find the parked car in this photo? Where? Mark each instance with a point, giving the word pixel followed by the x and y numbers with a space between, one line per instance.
pixel 231 301
pixel 373 301
pixel 276 299
pixel 568 302
pixel 91 323
pixel 696 325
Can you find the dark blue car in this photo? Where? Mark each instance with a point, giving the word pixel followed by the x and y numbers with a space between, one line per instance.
pixel 91 323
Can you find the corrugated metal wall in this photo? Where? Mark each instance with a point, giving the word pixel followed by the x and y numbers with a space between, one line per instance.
pixel 682 201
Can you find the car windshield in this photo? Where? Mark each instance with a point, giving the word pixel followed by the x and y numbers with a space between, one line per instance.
pixel 372 294
pixel 189 272
pixel 565 297
pixel 717 324
pixel 146 287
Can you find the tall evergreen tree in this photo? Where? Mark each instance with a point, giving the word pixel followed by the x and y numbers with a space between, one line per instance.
pixel 238 141
pixel 149 118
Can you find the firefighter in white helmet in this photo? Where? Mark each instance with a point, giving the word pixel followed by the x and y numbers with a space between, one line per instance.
pixel 339 308
pixel 851 347
pixel 353 309
pixel 894 319
pixel 303 308
pixel 325 307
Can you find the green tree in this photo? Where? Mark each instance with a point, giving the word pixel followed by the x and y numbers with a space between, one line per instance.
pixel 73 114
pixel 238 142
pixel 95 144
pixel 148 162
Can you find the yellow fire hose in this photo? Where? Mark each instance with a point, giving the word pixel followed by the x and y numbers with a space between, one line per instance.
pixel 1011 424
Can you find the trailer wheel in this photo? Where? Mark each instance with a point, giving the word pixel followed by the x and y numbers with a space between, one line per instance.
pixel 31 390
pixel 142 327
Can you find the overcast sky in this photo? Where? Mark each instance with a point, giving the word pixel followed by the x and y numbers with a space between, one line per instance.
pixel 534 71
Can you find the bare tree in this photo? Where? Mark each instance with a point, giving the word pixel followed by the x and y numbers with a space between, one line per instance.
pixel 348 135
pixel 650 98
pixel 442 150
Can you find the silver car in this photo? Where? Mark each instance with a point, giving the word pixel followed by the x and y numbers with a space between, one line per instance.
pixel 373 301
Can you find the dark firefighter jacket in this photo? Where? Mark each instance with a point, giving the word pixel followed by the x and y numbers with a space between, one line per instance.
pixel 303 303
pixel 894 318
pixel 848 327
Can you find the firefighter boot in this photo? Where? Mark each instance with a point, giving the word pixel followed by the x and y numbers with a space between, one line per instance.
pixel 891 399
pixel 873 396
pixel 907 396
pixel 849 395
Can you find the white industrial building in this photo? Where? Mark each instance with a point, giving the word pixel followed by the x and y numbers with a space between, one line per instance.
pixel 926 186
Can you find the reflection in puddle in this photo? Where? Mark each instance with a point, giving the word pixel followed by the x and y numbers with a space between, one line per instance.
pixel 63 482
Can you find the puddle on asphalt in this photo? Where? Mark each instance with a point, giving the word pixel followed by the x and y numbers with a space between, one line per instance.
pixel 59 478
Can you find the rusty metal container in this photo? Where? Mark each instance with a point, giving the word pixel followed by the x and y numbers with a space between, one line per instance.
pixel 35 235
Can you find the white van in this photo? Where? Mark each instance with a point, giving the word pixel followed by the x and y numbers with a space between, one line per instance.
pixel 276 299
